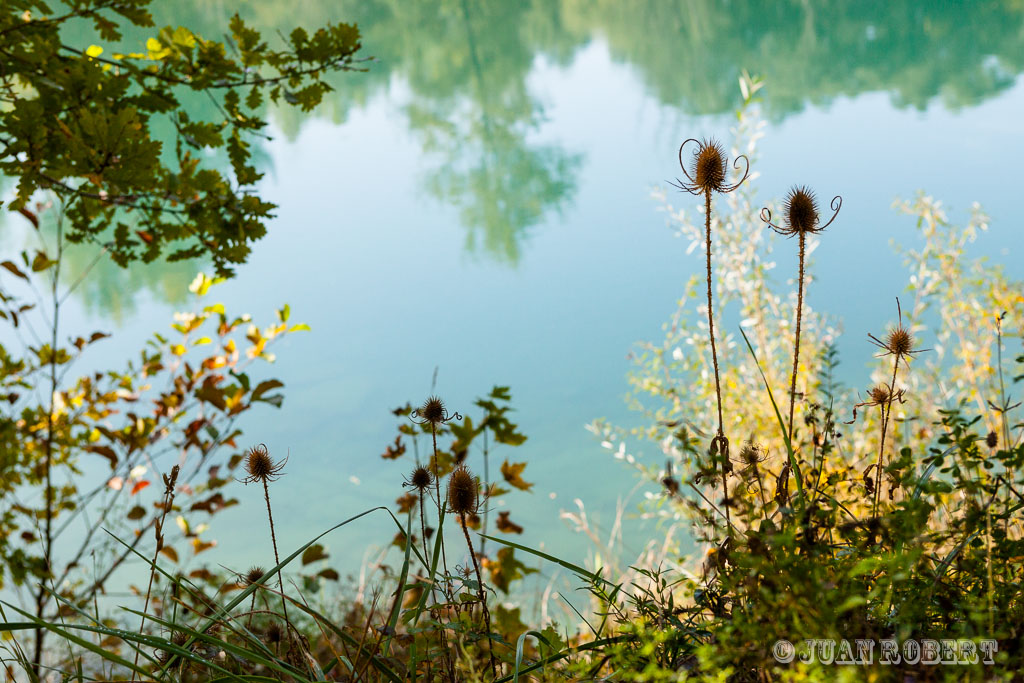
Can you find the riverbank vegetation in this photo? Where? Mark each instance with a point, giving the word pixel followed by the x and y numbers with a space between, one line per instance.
pixel 892 511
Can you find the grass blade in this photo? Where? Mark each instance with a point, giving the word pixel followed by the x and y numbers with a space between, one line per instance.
pixel 575 568
pixel 782 425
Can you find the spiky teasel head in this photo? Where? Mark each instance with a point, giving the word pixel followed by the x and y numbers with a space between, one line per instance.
pixel 275 634
pixel 253 575
pixel 177 639
pixel 433 412
pixel 261 467
pixel 708 169
pixel 752 453
pixel 801 212
pixel 899 341
pixel 878 394
pixel 420 479
pixel 463 492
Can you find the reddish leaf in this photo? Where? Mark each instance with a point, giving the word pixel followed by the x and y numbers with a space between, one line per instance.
pixel 9 265
pixel 139 486
pixel 407 502
pixel 394 450
pixel 505 525
pixel 32 218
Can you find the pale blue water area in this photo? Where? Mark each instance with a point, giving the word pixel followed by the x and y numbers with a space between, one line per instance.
pixel 377 263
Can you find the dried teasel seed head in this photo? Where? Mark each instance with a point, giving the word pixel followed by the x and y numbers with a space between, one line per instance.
pixel 709 167
pixel 177 639
pixel 463 492
pixel 432 410
pixel 899 341
pixel 750 453
pixel 253 575
pixel 260 466
pixel 275 634
pixel 879 394
pixel 421 478
pixel 801 207
pixel 992 440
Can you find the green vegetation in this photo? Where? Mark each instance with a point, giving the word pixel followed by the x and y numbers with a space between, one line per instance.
pixel 903 522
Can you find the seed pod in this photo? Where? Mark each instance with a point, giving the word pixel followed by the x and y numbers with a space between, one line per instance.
pixel 463 492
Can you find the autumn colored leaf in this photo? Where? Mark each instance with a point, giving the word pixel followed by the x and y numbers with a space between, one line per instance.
pixel 394 450
pixel 107 452
pixel 512 471
pixel 14 270
pixel 505 525
pixel 199 546
pixel 139 486
pixel 407 502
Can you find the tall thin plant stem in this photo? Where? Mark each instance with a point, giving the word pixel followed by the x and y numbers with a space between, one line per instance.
pixel 483 595
pixel 37 658
pixel 487 490
pixel 423 529
pixel 169 482
pixel 885 423
pixel 796 341
pixel 437 489
pixel 720 440
pixel 277 559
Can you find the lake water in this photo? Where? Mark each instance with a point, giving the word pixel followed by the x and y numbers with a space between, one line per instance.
pixel 479 201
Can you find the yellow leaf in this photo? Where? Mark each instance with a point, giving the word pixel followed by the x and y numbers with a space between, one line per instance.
pixel 200 285
pixel 512 471
pixel 156 49
pixel 199 546
pixel 94 51
pixel 178 350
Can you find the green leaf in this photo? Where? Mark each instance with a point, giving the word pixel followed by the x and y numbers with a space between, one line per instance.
pixel 313 553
